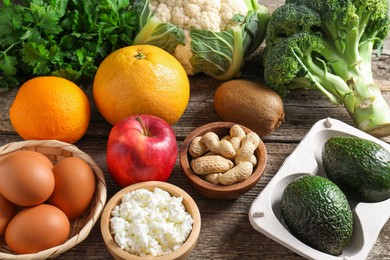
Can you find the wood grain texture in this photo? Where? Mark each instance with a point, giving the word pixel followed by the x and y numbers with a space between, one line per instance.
pixel 226 232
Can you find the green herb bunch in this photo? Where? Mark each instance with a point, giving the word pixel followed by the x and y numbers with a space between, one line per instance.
pixel 61 38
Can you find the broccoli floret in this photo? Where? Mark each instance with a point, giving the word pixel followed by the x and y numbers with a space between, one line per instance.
pixel 328 45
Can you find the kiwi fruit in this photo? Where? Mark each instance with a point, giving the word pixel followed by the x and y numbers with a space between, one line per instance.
pixel 251 104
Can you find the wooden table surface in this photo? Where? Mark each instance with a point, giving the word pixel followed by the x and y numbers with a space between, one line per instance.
pixel 226 232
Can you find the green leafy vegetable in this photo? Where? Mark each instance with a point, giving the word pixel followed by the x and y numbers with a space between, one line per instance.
pixel 328 45
pixel 61 37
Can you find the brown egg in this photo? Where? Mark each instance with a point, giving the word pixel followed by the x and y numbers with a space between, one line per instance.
pixel 35 154
pixel 7 211
pixel 37 228
pixel 75 186
pixel 25 180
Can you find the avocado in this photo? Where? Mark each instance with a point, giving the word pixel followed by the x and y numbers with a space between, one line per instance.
pixel 317 213
pixel 360 167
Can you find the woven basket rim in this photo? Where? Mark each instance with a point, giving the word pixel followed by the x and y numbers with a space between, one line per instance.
pixel 100 193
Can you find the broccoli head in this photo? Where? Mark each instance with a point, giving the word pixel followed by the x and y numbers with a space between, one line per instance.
pixel 328 46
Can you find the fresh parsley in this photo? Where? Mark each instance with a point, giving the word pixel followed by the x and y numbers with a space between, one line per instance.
pixel 67 38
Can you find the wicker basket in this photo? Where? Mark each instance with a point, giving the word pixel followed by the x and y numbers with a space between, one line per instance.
pixel 81 227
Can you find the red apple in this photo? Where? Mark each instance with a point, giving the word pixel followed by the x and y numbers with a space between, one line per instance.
pixel 141 148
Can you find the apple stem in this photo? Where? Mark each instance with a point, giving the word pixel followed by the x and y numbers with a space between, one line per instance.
pixel 142 124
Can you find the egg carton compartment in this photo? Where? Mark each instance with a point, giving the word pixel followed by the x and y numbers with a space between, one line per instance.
pixel 264 213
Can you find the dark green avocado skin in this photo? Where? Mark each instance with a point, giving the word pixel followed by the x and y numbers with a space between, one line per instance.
pixel 360 167
pixel 317 213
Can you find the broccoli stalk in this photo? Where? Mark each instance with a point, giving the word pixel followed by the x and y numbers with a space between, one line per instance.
pixel 328 45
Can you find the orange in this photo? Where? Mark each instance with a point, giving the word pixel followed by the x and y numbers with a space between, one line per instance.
pixel 141 79
pixel 50 107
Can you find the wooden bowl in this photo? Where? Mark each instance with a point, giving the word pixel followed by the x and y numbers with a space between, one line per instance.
pixel 218 191
pixel 80 227
pixel 190 205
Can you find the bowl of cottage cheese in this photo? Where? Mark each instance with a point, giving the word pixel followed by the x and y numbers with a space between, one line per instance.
pixel 150 220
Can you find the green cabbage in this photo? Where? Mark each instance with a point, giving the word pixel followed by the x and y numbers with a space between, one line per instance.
pixel 217 54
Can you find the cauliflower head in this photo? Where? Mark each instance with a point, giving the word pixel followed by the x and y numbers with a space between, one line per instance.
pixel 209 36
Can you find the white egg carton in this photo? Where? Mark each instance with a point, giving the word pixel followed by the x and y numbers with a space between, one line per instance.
pixel 264 213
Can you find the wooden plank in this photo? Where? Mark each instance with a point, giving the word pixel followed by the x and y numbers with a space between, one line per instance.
pixel 226 232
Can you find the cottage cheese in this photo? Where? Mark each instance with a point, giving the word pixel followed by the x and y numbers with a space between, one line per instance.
pixel 150 222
